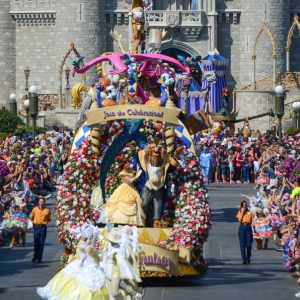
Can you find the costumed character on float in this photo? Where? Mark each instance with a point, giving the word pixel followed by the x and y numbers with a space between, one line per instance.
pixel 125 205
pixel 156 164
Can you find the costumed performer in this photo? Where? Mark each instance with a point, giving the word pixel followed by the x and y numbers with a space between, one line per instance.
pixel 17 222
pixel 204 161
pixel 125 204
pixel 82 278
pixel 156 164
pixel 262 229
pixel 116 265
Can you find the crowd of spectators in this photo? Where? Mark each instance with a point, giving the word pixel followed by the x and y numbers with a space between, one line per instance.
pixel 235 158
pixel 274 170
pixel 34 170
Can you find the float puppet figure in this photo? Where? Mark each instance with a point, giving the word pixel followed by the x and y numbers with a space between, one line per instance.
pixel 156 164
pixel 138 21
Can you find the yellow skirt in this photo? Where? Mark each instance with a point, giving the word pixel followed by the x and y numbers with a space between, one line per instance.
pixel 62 287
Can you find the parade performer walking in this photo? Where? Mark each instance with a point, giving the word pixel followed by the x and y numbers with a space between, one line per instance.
pixel 40 216
pixel 245 218
pixel 262 229
pixel 205 164
pixel 82 278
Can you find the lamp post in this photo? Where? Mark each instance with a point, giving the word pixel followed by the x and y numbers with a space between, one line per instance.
pixel 296 107
pixel 26 72
pixel 33 107
pixel 13 103
pixel 279 108
pixel 26 104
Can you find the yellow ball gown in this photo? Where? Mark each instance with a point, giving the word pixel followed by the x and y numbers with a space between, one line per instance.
pixel 81 279
pixel 125 206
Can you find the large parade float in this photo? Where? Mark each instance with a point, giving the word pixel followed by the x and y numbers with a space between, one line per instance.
pixel 133 159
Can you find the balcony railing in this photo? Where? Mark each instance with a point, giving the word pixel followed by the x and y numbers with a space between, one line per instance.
pixel 185 18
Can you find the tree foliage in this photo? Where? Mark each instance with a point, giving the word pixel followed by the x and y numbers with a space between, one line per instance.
pixel 9 122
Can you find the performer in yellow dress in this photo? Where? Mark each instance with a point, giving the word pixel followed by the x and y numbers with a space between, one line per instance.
pixel 125 204
pixel 82 278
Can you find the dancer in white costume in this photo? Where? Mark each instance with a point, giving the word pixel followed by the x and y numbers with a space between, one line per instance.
pixel 116 265
pixel 82 278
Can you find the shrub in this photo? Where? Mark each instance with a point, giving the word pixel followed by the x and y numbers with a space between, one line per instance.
pixel 291 131
pixel 9 121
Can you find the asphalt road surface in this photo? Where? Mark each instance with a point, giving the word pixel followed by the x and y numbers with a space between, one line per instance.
pixel 265 278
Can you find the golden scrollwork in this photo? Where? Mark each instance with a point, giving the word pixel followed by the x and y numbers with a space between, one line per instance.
pixel 269 33
pixel 265 83
pixel 153 274
pixel 288 114
pixel 291 32
pixel 48 102
pixel 289 80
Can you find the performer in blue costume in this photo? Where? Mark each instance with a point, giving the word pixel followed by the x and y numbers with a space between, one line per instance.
pixel 155 164
pixel 205 164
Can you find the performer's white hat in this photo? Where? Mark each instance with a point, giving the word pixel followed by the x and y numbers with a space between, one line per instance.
pixel 114 236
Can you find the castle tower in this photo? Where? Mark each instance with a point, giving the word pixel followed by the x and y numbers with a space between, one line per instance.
pixel 276 15
pixel 8 54
pixel 83 23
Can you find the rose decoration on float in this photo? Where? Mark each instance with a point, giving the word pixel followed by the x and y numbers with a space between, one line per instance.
pixel 189 210
pixel 74 194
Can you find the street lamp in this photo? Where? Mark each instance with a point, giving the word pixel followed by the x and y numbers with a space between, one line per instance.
pixel 279 108
pixel 26 72
pixel 296 107
pixel 26 105
pixel 67 76
pixel 13 103
pixel 33 107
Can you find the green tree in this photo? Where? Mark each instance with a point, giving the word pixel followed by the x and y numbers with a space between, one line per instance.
pixel 9 122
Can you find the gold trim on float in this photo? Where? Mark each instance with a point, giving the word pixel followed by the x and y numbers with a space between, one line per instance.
pixel 136 111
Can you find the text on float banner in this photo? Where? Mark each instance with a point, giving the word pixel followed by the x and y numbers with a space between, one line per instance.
pixel 157 259
pixel 163 114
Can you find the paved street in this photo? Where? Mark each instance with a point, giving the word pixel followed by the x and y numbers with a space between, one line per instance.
pixel 226 278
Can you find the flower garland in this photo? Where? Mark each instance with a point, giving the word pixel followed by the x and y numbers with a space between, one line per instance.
pixel 191 219
pixel 187 208
pixel 73 199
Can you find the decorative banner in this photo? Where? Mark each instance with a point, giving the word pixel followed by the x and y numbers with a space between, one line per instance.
pixel 119 112
pixel 80 135
pixel 157 259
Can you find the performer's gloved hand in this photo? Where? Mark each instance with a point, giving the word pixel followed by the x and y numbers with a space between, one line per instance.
pixel 109 225
pixel 178 152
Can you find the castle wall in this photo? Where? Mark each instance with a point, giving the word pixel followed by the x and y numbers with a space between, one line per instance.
pixel 8 54
pixel 294 51
pixel 81 22
pixel 41 45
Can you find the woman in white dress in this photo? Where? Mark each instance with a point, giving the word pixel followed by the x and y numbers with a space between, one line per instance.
pixel 82 278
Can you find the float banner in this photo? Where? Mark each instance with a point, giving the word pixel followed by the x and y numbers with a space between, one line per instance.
pixel 157 259
pixel 119 112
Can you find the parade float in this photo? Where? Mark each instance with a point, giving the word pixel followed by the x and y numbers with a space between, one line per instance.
pixel 130 126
